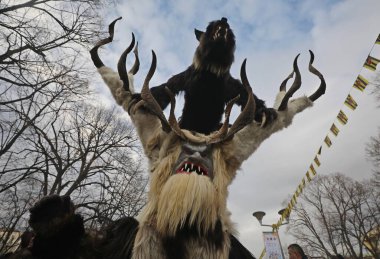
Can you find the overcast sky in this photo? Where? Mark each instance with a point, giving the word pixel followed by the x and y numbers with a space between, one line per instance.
pixel 270 34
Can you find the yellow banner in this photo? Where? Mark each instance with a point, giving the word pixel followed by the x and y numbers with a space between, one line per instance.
pixel 361 83
pixel 350 102
pixel 328 141
pixel 371 63
pixel 308 176
pixel 316 160
pixel 312 170
pixel 293 201
pixel 297 193
pixel 299 189
pixel 342 118
pixel 334 130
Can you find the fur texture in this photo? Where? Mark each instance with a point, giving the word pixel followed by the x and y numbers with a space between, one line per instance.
pixel 188 193
pixel 58 231
pixel 207 83
pixel 173 205
pixel 177 204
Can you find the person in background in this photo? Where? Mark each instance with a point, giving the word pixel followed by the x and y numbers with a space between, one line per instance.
pixel 296 252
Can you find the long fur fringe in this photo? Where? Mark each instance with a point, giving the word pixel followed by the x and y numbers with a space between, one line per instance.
pixel 190 199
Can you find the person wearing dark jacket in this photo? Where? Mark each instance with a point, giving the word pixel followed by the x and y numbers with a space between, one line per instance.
pixel 296 252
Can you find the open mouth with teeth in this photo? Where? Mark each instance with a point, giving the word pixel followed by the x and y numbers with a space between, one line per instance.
pixel 189 167
pixel 220 34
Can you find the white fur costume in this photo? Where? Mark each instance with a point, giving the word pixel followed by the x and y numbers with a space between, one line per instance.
pixel 174 198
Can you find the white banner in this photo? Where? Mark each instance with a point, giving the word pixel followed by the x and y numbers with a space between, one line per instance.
pixel 273 245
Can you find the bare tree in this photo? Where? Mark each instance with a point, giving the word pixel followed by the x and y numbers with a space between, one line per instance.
pixel 335 215
pixel 93 155
pixel 14 208
pixel 51 140
pixel 89 153
pixel 376 87
pixel 373 153
pixel 41 66
pixel 373 146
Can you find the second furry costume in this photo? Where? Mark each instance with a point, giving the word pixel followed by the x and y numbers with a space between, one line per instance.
pixel 207 83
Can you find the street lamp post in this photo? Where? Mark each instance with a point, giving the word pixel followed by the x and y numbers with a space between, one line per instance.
pixel 259 215
pixel 271 239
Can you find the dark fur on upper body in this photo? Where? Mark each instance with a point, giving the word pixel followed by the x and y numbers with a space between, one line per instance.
pixel 207 83
pixel 175 247
pixel 57 228
pixel 58 232
pixel 119 238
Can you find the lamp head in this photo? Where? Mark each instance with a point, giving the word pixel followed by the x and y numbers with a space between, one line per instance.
pixel 259 216
pixel 281 212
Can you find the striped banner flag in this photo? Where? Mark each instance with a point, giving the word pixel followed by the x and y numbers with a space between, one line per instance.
pixel 361 83
pixel 342 118
pixel 298 192
pixel 291 204
pixel 316 160
pixel 371 63
pixel 308 176
pixel 312 170
pixel 293 201
pixel 350 102
pixel 334 129
pixel 303 183
pixel 378 39
pixel 328 141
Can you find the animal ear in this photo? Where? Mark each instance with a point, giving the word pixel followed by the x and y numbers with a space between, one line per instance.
pixel 198 34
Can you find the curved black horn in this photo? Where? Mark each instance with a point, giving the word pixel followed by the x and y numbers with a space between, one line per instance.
pixel 94 51
pixel 248 113
pixel 322 87
pixel 283 84
pixel 121 64
pixel 136 65
pixel 295 86
pixel 149 99
pixel 221 134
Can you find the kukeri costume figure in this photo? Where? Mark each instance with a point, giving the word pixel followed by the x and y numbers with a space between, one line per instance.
pixel 207 83
pixel 186 215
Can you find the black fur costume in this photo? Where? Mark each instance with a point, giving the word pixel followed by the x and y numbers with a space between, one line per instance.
pixel 208 84
pixel 59 234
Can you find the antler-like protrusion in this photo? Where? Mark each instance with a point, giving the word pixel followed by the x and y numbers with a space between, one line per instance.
pixel 248 113
pixel 150 101
pixel 136 65
pixel 94 51
pixel 322 87
pixel 283 84
pixel 297 83
pixel 295 86
pixel 122 70
pixel 222 133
